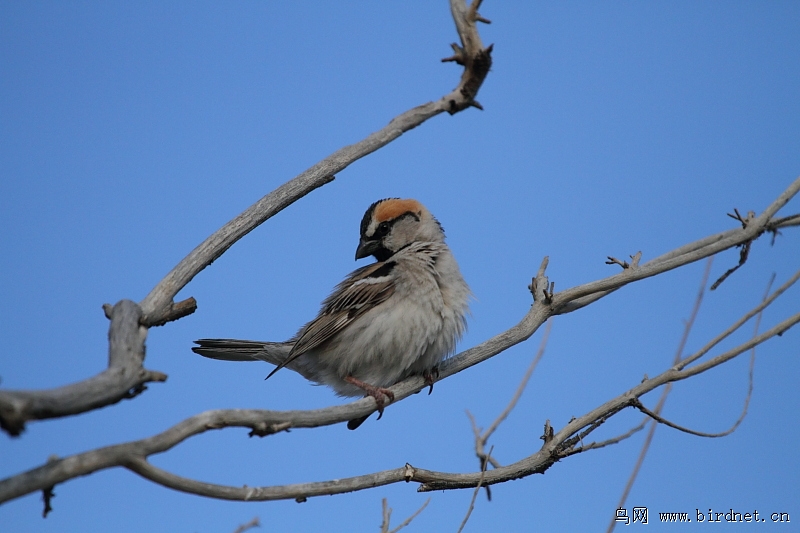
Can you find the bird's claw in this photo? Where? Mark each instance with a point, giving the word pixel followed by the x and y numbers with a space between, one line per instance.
pixel 430 378
pixel 378 393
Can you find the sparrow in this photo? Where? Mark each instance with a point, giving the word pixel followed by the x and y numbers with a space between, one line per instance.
pixel 399 316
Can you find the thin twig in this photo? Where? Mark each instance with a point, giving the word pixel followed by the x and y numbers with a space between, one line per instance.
pixel 665 392
pixel 157 308
pixel 522 384
pixel 608 442
pixel 475 493
pixel 131 455
pixel 739 323
pixel 410 518
pixel 482 439
pixel 251 524
pixel 661 420
pixel 261 421
pixel 386 514
pixel 477 62
pixel 747 398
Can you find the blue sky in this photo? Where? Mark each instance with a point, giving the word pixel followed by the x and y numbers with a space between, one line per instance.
pixel 130 132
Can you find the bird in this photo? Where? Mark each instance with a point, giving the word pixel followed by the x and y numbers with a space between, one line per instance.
pixel 399 316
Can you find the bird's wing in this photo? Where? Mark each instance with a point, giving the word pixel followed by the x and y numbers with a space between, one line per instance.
pixel 361 291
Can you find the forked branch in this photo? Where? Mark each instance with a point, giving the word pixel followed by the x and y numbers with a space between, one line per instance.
pixel 129 322
pixel 128 378
pixel 476 61
pixel 562 444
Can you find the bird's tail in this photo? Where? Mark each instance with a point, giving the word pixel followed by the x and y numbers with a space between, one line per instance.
pixel 241 350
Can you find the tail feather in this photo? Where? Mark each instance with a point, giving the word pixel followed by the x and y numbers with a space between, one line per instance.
pixel 242 350
pixel 271 352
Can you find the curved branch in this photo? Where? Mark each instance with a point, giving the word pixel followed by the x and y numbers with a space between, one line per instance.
pixel 688 253
pixel 267 422
pixel 157 305
pixel 558 447
pixel 264 422
pixel 125 377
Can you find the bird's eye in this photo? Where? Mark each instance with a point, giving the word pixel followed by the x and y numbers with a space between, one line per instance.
pixel 383 229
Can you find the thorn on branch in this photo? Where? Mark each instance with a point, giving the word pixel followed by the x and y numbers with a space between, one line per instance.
pixel 107 310
pixel 409 473
pixel 743 255
pixel 477 64
pixel 775 234
pixel 12 423
pixel 744 221
pixel 473 12
pixel 774 224
pixel 458 55
pixel 624 264
pixel 745 247
pixel 47 496
pixel 549 433
pixel 173 312
pixel 262 429
pixel 135 391
pixel 549 292
pixel 615 261
pixel 154 375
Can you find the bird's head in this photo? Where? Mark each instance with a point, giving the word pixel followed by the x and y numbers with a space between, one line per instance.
pixel 392 224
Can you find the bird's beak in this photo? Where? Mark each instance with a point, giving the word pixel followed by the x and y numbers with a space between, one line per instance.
pixel 366 248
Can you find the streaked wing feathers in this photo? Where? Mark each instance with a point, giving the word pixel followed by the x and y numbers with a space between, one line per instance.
pixel 361 291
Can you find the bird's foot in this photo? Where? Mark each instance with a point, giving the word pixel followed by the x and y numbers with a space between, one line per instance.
pixel 430 377
pixel 378 393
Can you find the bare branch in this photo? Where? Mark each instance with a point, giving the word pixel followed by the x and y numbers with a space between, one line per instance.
pixel 249 525
pixel 484 464
pixel 664 393
pixel 655 416
pixel 661 420
pixel 688 253
pixel 523 383
pixel 131 455
pixel 386 514
pixel 482 439
pixel 608 442
pixel 739 323
pixel 408 520
pixel 268 422
pixel 784 222
pixel 553 450
pixel 477 61
pixel 124 378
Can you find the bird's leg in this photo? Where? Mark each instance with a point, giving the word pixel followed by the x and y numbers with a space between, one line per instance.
pixel 376 392
pixel 430 377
